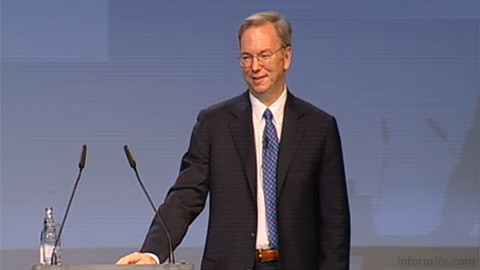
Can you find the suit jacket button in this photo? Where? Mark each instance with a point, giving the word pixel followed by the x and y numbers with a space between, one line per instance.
pixel 252 235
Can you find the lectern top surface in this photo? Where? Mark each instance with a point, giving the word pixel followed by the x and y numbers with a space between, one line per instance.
pixel 183 266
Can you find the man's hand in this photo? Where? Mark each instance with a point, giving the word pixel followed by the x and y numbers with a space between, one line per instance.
pixel 137 258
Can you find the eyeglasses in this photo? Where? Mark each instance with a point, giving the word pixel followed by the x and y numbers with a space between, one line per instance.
pixel 246 59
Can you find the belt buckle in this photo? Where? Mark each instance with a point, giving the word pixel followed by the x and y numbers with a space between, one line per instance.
pixel 266 255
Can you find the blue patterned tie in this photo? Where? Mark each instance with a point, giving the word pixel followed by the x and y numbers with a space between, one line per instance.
pixel 270 158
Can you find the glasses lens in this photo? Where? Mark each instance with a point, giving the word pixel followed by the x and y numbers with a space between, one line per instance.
pixel 264 58
pixel 245 60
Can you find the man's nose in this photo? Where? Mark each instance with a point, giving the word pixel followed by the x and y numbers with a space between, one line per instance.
pixel 255 64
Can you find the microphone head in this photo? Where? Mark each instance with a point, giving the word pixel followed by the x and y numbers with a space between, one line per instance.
pixel 130 158
pixel 83 157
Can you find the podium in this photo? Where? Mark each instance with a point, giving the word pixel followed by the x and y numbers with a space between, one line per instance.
pixel 177 266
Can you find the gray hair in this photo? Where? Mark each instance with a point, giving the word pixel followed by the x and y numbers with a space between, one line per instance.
pixel 281 24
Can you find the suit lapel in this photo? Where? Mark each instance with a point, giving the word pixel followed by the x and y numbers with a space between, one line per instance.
pixel 241 128
pixel 292 132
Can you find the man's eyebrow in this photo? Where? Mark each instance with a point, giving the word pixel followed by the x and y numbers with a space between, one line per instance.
pixel 262 51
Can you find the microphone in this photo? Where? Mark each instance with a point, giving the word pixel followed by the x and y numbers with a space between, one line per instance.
pixel 83 158
pixel 81 165
pixel 133 164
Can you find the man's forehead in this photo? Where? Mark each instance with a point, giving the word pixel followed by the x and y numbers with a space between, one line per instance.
pixel 260 36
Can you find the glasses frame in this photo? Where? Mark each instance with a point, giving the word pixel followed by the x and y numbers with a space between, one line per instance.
pixel 258 57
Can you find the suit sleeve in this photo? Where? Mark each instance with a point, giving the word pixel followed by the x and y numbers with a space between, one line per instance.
pixel 334 209
pixel 186 198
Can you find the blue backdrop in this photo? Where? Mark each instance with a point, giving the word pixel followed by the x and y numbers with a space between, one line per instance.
pixel 402 79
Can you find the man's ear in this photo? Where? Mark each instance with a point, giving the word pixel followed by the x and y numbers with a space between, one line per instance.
pixel 287 57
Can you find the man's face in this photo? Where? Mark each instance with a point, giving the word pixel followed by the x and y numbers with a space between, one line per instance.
pixel 269 78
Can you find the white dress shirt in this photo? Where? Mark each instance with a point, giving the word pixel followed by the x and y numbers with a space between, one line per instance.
pixel 258 108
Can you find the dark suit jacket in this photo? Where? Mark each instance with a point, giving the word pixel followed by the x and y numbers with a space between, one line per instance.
pixel 313 212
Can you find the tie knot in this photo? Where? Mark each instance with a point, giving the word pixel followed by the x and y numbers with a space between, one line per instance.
pixel 268 114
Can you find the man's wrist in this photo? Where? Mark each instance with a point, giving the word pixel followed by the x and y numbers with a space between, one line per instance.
pixel 155 257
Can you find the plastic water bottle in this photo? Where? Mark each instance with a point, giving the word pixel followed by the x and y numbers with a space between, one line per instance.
pixel 48 254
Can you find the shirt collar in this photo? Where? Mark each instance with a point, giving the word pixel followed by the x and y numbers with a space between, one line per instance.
pixel 277 108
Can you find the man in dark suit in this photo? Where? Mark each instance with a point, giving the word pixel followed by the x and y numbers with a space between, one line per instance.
pixel 273 167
